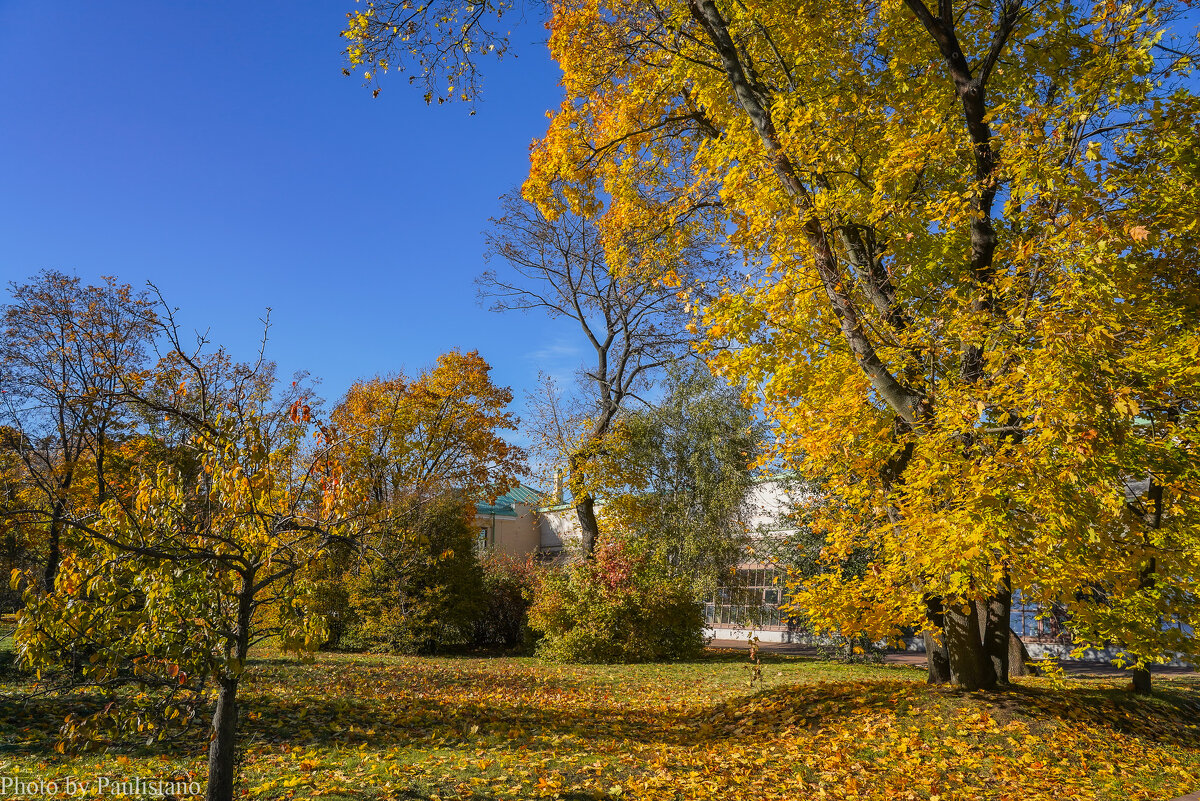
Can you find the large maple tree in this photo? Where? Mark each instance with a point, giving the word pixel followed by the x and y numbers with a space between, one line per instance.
pixel 970 298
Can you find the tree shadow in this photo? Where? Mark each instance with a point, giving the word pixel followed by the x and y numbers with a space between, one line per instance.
pixel 1160 718
pixel 31 723
pixel 415 718
pixel 449 705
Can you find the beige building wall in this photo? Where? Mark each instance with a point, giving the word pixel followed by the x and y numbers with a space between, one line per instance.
pixel 553 530
pixel 515 536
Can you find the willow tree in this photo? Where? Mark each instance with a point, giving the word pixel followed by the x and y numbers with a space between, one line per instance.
pixel 970 301
pixel 681 476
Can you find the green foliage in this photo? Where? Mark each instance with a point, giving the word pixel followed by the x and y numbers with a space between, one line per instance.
pixel 688 463
pixel 508 590
pixel 330 595
pixel 851 650
pixel 423 588
pixel 616 608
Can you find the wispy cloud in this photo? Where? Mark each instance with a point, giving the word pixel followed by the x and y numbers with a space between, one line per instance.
pixel 556 352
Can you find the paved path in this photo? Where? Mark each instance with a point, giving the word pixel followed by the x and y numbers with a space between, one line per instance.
pixel 917 659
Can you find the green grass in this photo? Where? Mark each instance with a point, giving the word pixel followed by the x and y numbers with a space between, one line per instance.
pixel 375 727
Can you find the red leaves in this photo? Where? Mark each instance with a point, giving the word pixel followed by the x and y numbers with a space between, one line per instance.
pixel 300 412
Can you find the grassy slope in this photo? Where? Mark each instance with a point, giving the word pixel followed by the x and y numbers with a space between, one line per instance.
pixel 394 727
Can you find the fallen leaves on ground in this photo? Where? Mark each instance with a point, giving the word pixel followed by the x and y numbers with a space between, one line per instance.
pixel 459 728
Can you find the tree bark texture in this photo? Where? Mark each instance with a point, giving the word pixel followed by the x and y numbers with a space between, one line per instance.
pixel 937 656
pixel 994 630
pixel 970 665
pixel 222 745
pixel 585 510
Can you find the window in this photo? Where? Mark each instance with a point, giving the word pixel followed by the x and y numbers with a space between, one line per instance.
pixel 752 600
pixel 481 540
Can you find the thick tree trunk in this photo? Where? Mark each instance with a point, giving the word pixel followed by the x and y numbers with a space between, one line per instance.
pixel 970 665
pixel 222 745
pixel 937 657
pixel 1141 681
pixel 994 629
pixel 972 662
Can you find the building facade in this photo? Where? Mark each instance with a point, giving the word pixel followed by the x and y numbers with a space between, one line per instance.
pixel 528 522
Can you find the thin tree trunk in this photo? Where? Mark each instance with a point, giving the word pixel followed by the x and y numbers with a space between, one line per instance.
pixel 1141 676
pixel 54 551
pixel 1018 657
pixel 222 746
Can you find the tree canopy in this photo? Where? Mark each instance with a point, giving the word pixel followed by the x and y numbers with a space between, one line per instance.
pixel 970 298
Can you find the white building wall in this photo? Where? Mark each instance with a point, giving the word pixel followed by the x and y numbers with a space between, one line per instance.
pixel 558 529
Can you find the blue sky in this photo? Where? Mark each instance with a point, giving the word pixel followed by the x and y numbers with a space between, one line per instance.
pixel 216 149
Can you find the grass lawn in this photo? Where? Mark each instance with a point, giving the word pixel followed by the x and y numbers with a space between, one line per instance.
pixel 366 727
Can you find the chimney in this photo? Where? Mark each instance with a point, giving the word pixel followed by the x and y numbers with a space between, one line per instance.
pixel 558 486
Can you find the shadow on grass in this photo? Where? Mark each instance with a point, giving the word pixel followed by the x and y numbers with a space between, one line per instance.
pixel 597 723
pixel 383 703
pixel 31 722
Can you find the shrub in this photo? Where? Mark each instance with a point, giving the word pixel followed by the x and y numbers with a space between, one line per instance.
pixel 616 609
pixel 508 588
pixel 422 592
pixel 851 650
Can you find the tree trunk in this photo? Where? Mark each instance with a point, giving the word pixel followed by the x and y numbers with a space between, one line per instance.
pixel 970 665
pixel 54 546
pixel 1141 680
pixel 222 745
pixel 585 507
pixel 1141 676
pixel 585 510
pixel 937 657
pixel 1018 657
pixel 994 629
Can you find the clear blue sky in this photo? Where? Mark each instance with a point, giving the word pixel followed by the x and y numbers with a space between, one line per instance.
pixel 216 149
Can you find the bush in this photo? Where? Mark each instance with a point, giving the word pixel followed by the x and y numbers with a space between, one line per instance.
pixel 851 650
pixel 423 590
pixel 616 609
pixel 508 588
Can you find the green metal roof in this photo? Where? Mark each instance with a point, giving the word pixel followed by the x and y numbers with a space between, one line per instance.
pixel 505 505
pixel 521 494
